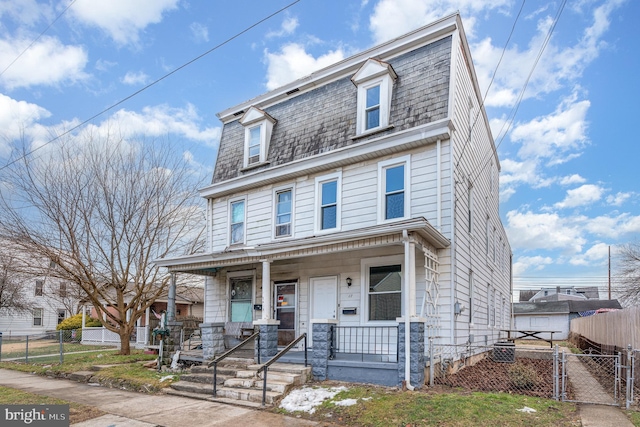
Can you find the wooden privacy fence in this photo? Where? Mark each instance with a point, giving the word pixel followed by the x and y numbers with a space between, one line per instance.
pixel 615 328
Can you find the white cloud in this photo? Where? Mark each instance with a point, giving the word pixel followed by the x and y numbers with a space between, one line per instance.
pixel 392 18
pixel 533 263
pixel 614 227
pixel 293 62
pixel 161 120
pixel 46 62
pixel 555 134
pixel 16 118
pixel 581 196
pixel 199 32
pixel 122 20
pixel 572 179
pixel 549 231
pixel 289 25
pixel 556 67
pixel 135 78
pixel 619 198
pixel 26 12
pixel 596 254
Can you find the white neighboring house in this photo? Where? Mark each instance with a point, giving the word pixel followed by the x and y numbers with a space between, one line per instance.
pixel 363 195
pixel 50 301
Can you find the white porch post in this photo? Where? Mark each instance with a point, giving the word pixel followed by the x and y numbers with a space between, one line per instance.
pixel 84 308
pixel 146 325
pixel 266 290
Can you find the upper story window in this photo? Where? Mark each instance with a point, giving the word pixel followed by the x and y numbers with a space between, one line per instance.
pixel 375 86
pixel 328 202
pixel 258 127
pixel 237 221
pixel 283 212
pixel 39 288
pixel 63 290
pixel 37 316
pixel 393 176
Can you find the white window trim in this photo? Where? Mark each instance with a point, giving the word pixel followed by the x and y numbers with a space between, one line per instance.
pixel 229 217
pixel 337 176
pixel 382 166
pixel 277 190
pixel 247 140
pixel 253 118
pixel 373 73
pixel 367 263
pixel 33 317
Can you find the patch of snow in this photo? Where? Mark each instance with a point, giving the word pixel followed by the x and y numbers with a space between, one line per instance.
pixel 346 402
pixel 167 377
pixel 527 410
pixel 306 399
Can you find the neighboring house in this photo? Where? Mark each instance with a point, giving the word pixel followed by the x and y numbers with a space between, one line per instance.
pixel 49 300
pixel 560 293
pixel 359 195
pixel 556 315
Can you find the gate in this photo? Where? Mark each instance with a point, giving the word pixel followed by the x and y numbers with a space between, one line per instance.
pixel 592 378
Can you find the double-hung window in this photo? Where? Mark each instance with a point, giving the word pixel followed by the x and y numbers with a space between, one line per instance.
pixel 237 221
pixel 328 202
pixel 393 180
pixel 384 295
pixel 37 316
pixel 258 127
pixel 375 86
pixel 39 288
pixel 283 212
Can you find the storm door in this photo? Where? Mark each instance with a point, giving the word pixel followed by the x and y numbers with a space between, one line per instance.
pixel 285 304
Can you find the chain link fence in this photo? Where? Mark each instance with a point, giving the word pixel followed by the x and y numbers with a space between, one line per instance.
pixel 47 347
pixel 495 368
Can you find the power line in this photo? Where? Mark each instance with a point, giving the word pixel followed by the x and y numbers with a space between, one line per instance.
pixel 151 84
pixel 516 107
pixel 37 38
pixel 493 76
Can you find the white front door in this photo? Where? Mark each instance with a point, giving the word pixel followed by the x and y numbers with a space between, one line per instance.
pixel 324 297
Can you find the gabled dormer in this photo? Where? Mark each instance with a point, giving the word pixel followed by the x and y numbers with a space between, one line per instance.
pixel 258 127
pixel 374 81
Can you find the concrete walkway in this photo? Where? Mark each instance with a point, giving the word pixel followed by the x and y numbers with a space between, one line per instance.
pixel 598 413
pixel 130 409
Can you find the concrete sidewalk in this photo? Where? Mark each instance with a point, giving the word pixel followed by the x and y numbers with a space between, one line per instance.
pixel 130 409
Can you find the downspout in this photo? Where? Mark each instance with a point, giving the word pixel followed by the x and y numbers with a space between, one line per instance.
pixel 453 244
pixel 407 315
pixel 438 185
pixel 171 299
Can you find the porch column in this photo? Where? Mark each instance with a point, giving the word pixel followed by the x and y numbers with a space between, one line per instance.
pixel 84 307
pixel 268 326
pixel 171 299
pixel 322 337
pixel 146 325
pixel 414 352
pixel 212 335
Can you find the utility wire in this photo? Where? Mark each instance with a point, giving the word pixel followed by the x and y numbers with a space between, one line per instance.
pixel 37 38
pixel 493 76
pixel 516 107
pixel 151 84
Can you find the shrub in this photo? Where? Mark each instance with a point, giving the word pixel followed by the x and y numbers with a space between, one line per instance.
pixel 523 376
pixel 75 322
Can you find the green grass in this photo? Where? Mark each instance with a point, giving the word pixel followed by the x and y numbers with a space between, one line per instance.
pixel 634 416
pixel 382 407
pixel 118 371
pixel 53 348
pixel 77 412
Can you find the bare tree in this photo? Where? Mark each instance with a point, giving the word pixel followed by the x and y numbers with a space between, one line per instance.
pixel 627 272
pixel 13 293
pixel 102 208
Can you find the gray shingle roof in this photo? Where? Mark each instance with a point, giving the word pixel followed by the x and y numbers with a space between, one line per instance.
pixel 324 118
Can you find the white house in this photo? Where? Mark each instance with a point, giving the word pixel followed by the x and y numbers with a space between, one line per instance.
pixel 363 197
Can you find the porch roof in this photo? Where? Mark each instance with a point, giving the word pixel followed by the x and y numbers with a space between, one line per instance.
pixel 378 235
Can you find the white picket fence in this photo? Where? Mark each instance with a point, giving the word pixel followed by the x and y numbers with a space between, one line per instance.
pixel 103 336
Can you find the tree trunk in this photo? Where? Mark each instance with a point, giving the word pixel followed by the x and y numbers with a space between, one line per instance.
pixel 125 345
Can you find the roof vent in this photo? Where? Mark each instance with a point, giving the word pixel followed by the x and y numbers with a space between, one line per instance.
pixel 293 91
pixel 239 113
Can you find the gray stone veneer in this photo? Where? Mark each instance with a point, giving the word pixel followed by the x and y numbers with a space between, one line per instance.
pixel 268 342
pixel 417 350
pixel 322 337
pixel 212 339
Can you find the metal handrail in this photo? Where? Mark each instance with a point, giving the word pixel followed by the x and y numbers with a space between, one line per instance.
pixel 281 353
pixel 214 362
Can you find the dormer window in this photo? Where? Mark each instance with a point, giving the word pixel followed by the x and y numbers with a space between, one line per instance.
pixel 375 86
pixel 258 126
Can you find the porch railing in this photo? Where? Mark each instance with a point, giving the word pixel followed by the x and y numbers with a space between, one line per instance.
pixel 214 362
pixel 265 368
pixel 365 340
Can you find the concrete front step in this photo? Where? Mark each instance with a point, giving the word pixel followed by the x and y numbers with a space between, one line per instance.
pixel 206 378
pixel 248 394
pixel 255 383
pixel 244 403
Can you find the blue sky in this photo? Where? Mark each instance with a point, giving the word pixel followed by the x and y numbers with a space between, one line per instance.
pixel 569 180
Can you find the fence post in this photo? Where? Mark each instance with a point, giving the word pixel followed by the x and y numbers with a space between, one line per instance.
pixel 26 352
pixel 629 393
pixel 564 367
pixel 432 369
pixel 0 346
pixel 61 357
pixel 556 379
